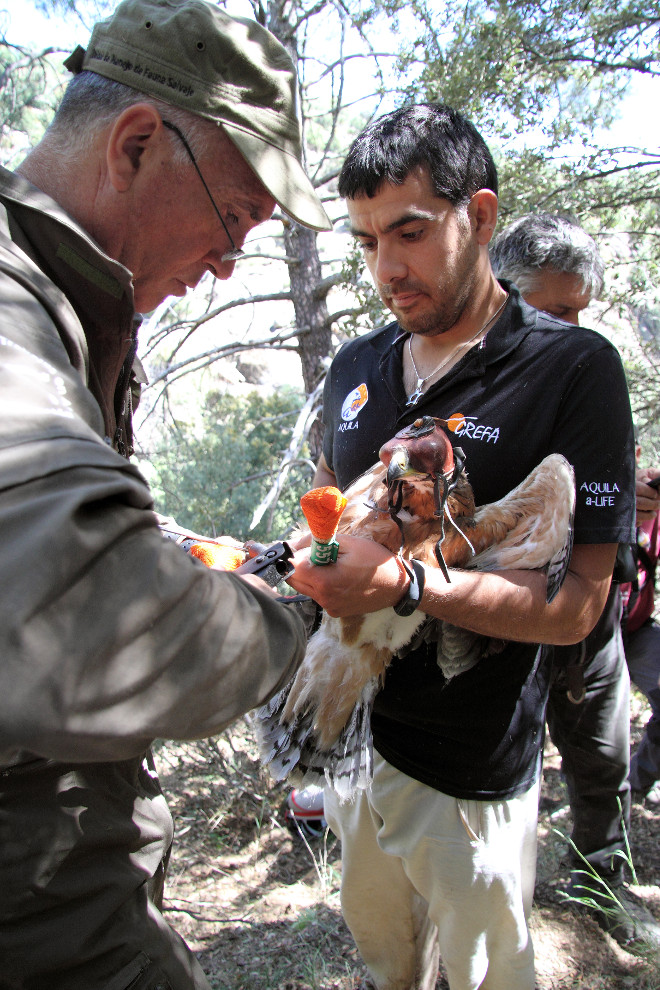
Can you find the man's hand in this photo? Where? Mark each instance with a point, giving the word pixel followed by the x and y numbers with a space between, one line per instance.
pixel 647 498
pixel 259 584
pixel 365 578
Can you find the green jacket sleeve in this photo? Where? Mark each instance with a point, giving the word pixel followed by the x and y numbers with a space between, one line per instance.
pixel 110 635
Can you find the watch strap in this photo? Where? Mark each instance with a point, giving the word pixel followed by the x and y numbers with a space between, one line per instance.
pixel 412 598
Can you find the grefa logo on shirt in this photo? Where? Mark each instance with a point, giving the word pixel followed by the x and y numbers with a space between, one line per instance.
pixel 467 426
pixel 353 402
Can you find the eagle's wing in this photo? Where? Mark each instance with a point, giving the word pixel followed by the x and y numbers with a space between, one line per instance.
pixel 530 528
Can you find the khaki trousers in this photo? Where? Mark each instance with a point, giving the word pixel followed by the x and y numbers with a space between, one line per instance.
pixel 425 874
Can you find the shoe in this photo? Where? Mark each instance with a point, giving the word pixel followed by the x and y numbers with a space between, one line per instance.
pixel 650 797
pixel 619 913
pixel 305 810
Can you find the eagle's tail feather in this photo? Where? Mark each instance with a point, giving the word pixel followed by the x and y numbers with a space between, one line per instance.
pixel 291 750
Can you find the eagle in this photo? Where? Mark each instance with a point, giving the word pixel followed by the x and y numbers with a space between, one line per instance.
pixel 418 503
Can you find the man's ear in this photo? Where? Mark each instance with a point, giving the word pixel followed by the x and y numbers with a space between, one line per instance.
pixel 132 133
pixel 482 210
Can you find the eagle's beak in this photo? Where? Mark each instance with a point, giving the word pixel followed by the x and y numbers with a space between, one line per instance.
pixel 399 466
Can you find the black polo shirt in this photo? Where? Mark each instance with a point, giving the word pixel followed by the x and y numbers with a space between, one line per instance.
pixel 533 386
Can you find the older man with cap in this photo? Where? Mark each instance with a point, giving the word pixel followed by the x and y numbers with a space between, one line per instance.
pixel 177 135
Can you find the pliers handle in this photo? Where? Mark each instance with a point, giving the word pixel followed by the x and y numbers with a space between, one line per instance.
pixel 272 563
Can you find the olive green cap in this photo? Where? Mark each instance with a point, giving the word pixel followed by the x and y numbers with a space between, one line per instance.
pixel 228 69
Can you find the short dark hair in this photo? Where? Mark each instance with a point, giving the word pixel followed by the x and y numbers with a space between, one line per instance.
pixel 539 241
pixel 431 135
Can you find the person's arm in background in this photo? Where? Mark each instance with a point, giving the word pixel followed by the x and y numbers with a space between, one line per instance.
pixel 647 498
pixel 324 475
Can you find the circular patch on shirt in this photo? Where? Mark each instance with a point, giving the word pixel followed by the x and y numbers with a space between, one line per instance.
pixel 353 402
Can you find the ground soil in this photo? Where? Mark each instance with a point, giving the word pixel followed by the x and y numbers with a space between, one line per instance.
pixel 261 907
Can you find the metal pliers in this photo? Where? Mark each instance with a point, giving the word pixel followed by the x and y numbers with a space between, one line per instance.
pixel 272 563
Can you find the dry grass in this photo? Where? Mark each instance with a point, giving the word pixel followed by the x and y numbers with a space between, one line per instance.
pixel 262 910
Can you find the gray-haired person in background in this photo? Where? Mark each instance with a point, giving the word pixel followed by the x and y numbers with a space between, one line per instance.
pixel 178 134
pixel 558 269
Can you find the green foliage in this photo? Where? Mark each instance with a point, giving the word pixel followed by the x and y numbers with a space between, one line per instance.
pixel 542 81
pixel 555 64
pixel 537 75
pixel 211 479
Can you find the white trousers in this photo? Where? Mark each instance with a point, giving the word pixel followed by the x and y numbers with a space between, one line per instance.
pixel 425 874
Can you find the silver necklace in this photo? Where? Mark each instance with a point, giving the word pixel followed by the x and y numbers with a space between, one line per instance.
pixel 418 391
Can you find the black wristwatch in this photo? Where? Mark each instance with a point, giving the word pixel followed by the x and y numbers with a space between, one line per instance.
pixel 413 596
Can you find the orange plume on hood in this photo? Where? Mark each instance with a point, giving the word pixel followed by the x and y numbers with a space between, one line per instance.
pixel 323 508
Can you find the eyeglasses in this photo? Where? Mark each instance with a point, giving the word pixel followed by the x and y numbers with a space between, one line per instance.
pixel 235 252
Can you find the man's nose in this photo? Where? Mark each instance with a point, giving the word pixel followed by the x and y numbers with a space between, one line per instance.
pixel 390 265
pixel 218 267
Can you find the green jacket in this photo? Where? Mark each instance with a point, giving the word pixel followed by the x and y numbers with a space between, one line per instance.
pixel 110 636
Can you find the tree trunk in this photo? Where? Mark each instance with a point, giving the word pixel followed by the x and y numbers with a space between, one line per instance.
pixel 311 315
pixel 305 276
